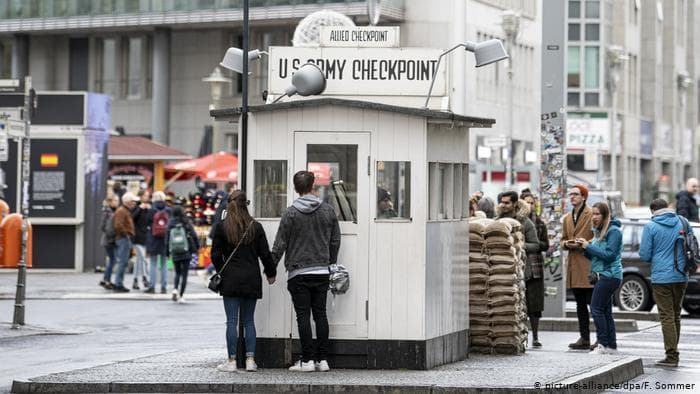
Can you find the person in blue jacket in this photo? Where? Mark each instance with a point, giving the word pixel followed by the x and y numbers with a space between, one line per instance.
pixel 668 277
pixel 605 252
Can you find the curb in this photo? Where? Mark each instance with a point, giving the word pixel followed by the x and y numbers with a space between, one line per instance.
pixel 648 316
pixel 597 379
pixel 571 324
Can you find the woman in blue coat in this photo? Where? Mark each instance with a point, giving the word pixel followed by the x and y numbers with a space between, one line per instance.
pixel 605 252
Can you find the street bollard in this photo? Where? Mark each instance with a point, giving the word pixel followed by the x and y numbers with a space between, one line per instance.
pixel 17 234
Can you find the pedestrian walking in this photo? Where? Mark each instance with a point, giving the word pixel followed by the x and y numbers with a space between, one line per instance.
pixel 158 219
pixel 107 240
pixel 662 248
pixel 576 225
pixel 534 270
pixel 181 241
pixel 140 215
pixel 686 204
pixel 123 234
pixel 605 252
pixel 238 243
pixel 309 236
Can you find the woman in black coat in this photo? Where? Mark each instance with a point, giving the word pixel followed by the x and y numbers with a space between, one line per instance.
pixel 241 284
pixel 181 259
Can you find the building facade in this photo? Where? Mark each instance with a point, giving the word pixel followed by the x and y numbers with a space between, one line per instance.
pixel 632 61
pixel 151 56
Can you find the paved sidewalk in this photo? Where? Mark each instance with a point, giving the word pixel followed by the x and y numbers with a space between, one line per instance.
pixel 552 370
pixel 70 285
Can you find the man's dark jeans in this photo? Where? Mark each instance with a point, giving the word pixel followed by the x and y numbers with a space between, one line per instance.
pixel 583 299
pixel 309 296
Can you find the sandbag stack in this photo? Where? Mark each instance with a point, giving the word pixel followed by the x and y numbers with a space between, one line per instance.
pixel 497 288
pixel 479 316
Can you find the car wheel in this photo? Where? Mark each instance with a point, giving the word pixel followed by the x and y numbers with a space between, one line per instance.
pixel 633 294
pixel 692 309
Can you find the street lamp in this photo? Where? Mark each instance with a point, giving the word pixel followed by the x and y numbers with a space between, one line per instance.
pixel 485 53
pixel 216 82
pixel 510 22
pixel 616 55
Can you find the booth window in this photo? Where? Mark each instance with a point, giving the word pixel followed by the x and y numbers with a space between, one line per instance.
pixel 270 188
pixel 335 168
pixel 441 183
pixel 393 190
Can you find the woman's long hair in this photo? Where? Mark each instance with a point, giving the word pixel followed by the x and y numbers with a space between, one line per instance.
pixel 605 223
pixel 238 219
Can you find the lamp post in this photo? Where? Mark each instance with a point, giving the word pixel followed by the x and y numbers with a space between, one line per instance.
pixel 486 52
pixel 616 55
pixel 216 81
pixel 510 22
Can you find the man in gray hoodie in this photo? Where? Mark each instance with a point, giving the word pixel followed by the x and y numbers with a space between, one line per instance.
pixel 309 235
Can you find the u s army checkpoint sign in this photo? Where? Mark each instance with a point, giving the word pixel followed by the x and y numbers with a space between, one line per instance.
pixel 361 71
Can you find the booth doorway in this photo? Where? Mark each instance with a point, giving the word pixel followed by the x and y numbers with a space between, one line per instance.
pixel 341 164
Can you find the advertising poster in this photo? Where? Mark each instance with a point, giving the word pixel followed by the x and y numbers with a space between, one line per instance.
pixel 53 177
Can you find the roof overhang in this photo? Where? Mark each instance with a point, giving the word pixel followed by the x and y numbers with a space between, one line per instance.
pixel 433 117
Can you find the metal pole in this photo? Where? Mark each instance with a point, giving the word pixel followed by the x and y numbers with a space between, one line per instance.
pixel 18 317
pixel 437 66
pixel 613 132
pixel 509 160
pixel 242 162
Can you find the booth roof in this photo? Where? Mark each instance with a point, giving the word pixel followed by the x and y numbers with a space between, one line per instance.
pixel 133 148
pixel 432 115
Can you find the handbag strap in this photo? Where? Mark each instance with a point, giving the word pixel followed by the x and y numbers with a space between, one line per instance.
pixel 236 248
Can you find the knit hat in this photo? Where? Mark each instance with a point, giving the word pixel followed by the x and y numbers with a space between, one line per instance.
pixel 583 189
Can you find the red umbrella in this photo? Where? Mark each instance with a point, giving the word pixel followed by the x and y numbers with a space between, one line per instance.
pixel 216 167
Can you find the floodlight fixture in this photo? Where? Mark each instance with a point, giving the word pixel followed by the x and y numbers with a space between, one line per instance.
pixel 308 80
pixel 485 53
pixel 233 59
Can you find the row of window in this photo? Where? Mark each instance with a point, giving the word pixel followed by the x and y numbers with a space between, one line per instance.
pixel 15 9
pixel 124 67
pixel 448 193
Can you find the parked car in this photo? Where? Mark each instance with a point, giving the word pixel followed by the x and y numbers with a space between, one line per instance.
pixel 635 292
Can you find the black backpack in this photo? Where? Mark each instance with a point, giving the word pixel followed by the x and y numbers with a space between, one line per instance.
pixel 691 250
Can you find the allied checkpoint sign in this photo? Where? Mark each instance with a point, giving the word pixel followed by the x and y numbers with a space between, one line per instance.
pixel 361 71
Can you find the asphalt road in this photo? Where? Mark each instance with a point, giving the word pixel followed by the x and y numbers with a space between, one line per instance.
pixel 93 331
pixel 112 330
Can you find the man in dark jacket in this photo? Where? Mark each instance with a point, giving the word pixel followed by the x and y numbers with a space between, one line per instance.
pixel 309 236
pixel 686 205
pixel 140 216
pixel 155 243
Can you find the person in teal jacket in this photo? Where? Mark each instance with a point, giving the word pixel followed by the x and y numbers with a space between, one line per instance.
pixel 605 252
pixel 669 280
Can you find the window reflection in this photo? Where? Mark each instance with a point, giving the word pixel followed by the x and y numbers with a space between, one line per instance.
pixel 335 168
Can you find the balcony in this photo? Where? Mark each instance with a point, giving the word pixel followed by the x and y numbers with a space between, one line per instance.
pixel 55 15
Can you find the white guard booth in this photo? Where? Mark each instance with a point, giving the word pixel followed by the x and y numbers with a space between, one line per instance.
pixel 407 306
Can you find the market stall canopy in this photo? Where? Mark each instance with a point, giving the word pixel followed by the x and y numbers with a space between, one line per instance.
pixel 140 149
pixel 217 167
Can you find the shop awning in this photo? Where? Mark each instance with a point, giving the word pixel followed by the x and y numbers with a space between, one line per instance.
pixel 140 149
pixel 217 167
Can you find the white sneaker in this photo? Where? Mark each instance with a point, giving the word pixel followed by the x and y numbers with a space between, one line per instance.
pixel 175 295
pixel 250 364
pixel 609 350
pixel 181 299
pixel 228 366
pixel 303 366
pixel 322 366
pixel 600 349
